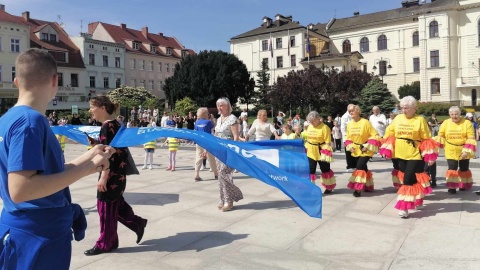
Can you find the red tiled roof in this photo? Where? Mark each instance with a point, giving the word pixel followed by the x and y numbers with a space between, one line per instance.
pixel 6 17
pixel 121 35
pixel 65 44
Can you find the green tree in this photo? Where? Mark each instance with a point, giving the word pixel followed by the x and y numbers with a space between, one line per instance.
pixel 376 94
pixel 412 89
pixel 262 88
pixel 185 105
pixel 249 95
pixel 127 96
pixel 207 76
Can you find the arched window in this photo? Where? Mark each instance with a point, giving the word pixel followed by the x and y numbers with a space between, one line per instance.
pixel 346 46
pixel 415 39
pixel 382 42
pixel 364 45
pixel 433 29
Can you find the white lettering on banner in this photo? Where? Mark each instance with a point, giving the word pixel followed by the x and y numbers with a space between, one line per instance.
pixel 269 155
pixel 279 177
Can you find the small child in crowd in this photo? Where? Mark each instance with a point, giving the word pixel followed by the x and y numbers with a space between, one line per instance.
pixel 287 132
pixel 337 136
pixel 172 152
pixel 149 150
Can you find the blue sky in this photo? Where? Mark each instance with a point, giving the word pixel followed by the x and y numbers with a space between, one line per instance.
pixel 198 24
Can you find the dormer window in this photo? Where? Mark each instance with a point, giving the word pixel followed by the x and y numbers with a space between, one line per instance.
pixel 169 51
pixel 136 45
pixel 153 49
pixel 53 38
pixel 45 36
pixel 184 53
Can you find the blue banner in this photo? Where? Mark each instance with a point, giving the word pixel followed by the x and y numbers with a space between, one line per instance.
pixel 282 163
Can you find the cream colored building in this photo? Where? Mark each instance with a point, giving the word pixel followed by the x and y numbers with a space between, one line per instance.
pixel 150 58
pixel 434 42
pixel 14 39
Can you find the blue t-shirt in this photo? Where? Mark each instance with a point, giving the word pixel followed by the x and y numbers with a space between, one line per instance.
pixel 204 125
pixel 171 123
pixel 27 143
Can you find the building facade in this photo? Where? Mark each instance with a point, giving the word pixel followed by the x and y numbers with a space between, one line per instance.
pixel 149 58
pixel 435 42
pixel 104 63
pixel 14 39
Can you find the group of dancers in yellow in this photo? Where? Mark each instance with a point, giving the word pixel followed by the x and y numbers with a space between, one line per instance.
pixel 407 142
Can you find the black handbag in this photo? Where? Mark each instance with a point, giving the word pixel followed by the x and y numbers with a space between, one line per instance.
pixel 131 168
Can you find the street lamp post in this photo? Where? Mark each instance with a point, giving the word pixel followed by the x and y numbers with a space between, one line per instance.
pixel 383 65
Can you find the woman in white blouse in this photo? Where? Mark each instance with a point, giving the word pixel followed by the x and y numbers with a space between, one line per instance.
pixel 262 129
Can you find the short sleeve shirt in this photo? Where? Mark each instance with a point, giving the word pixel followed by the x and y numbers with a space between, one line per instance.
pixel 223 128
pixel 27 143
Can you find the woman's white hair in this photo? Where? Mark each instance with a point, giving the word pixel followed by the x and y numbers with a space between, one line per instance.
pixel 409 101
pixel 225 100
pixel 313 115
pixel 455 109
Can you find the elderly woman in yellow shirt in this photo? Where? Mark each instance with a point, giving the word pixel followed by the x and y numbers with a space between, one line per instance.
pixel 319 150
pixel 458 137
pixel 413 147
pixel 362 141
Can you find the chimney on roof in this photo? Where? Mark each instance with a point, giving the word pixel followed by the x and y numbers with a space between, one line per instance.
pixel 267 22
pixel 279 20
pixel 160 34
pixel 123 26
pixel 26 15
pixel 410 3
pixel 145 31
pixel 2 7
pixel 356 13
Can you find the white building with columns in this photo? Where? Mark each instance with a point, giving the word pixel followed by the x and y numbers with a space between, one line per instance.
pixel 436 42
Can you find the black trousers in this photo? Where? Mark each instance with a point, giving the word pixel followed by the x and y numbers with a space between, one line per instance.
pixel 410 168
pixel 432 171
pixel 350 162
pixel 338 144
pixel 395 164
pixel 455 164
pixel 361 163
pixel 324 166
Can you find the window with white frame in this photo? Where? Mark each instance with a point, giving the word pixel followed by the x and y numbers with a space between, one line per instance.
pixel 142 83
pixel 433 29
pixel 435 86
pixel 60 79
pixel 415 39
pixel 105 60
pixel 106 82
pixel 416 64
pixel 105 48
pixel 92 81
pixel 364 45
pixel 264 63
pixel 142 64
pixel 90 46
pixel 278 43
pixel 15 45
pixel 117 62
pixel 167 67
pixel 434 58
pixel 74 80
pixel 117 50
pixel 160 85
pixel 279 61
pixel 382 42
pixel 265 45
pixel 150 84
pixel 292 41
pixel 136 45
pixel 153 48
pixel 44 36
pixel 293 60
pixel 13 73
pixel 118 82
pixel 169 51
pixel 346 46
pixel 159 66
pixel 53 38
pixel 150 66
pixel 91 59
pixel 132 64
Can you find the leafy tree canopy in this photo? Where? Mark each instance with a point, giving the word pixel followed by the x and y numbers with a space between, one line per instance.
pixel 207 76
pixel 412 89
pixel 184 106
pixel 127 96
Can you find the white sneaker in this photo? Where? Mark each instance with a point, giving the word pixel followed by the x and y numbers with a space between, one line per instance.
pixel 202 168
pixel 211 169
pixel 420 207
pixel 144 167
pixel 349 170
pixel 150 167
pixel 403 214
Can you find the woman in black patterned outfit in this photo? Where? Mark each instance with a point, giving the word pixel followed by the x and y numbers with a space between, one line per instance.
pixel 226 128
pixel 111 184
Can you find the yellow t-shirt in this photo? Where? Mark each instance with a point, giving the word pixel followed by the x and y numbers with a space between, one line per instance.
pixel 415 128
pixel 455 134
pixel 359 132
pixel 314 136
pixel 291 136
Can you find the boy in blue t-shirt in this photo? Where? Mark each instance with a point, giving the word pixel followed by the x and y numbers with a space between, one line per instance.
pixel 38 217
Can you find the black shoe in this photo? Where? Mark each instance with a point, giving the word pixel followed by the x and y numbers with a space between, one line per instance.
pixel 356 193
pixel 462 189
pixel 452 191
pixel 94 251
pixel 433 183
pixel 328 191
pixel 141 232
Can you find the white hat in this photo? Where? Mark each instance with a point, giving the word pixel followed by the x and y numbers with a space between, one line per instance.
pixel 469 114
